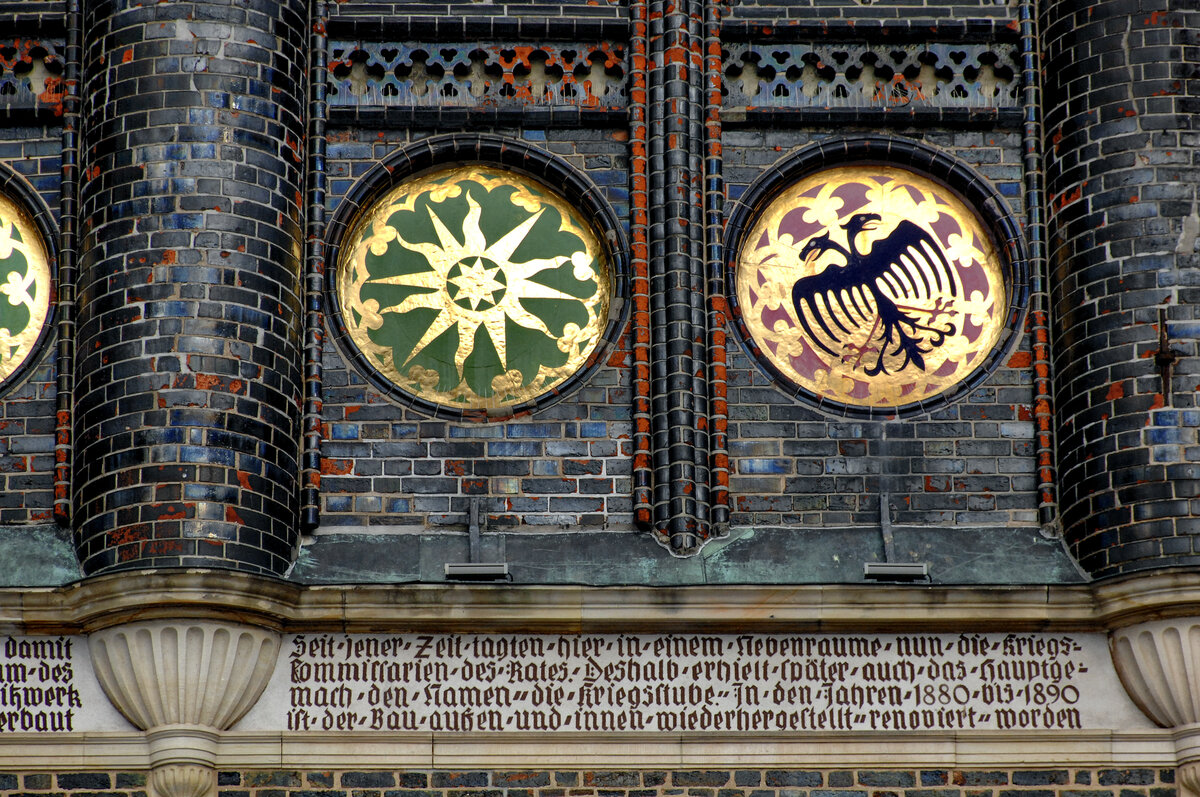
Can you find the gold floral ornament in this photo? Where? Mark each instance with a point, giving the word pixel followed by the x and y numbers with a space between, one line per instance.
pixel 474 288
pixel 24 286
pixel 871 286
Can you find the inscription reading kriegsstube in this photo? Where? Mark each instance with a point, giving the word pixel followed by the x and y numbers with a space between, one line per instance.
pixel 37 685
pixel 674 683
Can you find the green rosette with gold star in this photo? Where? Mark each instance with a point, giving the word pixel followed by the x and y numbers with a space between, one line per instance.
pixel 474 288
pixel 24 286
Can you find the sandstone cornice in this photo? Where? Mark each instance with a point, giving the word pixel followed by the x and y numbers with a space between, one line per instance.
pixel 278 605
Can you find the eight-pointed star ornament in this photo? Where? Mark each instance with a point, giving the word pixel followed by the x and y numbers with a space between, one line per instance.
pixel 474 288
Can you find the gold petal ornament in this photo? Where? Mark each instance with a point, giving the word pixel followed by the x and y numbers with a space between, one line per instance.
pixel 474 288
pixel 25 286
pixel 871 286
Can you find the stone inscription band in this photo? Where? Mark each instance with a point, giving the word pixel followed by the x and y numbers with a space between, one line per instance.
pixel 38 692
pixel 690 683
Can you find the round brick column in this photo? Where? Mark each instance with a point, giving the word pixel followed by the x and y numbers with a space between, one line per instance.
pixel 188 364
pixel 1122 158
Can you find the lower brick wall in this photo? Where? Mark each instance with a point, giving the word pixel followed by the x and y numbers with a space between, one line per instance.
pixel 632 783
pixel 115 784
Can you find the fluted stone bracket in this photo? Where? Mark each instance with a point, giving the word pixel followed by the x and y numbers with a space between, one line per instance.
pixel 1159 664
pixel 183 780
pixel 1187 752
pixel 183 682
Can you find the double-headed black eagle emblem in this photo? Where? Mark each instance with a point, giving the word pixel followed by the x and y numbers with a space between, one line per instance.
pixel 903 276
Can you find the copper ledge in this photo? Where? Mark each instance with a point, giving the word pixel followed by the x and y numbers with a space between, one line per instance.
pixel 111 600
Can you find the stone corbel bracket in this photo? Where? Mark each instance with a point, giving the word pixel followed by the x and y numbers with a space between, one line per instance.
pixel 183 682
pixel 1159 664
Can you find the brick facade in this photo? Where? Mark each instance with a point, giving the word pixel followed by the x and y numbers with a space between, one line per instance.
pixel 194 403
pixel 30 171
pixel 1065 782
pixel 562 467
pixel 966 464
pixel 184 424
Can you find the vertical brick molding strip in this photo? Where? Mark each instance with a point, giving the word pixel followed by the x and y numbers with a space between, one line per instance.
pixel 670 257
pixel 68 256
pixel 696 102
pixel 314 276
pixel 183 682
pixel 680 459
pixel 714 256
pixel 1159 664
pixel 1039 324
pixel 189 383
pixel 1120 99
pixel 679 339
pixel 639 223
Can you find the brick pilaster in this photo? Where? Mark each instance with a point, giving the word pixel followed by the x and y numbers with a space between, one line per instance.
pixel 679 392
pixel 189 320
pixel 1123 194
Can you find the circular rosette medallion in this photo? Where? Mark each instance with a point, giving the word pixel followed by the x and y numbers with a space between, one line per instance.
pixel 474 288
pixel 871 286
pixel 24 286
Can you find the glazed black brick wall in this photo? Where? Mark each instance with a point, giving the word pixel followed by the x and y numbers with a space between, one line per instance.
pixel 814 782
pixel 27 444
pixel 36 154
pixel 969 463
pixel 601 9
pixel 567 465
pixel 1064 782
pixel 1123 175
pixel 27 405
pixel 189 324
pixel 34 14
pixel 864 11
pixel 1143 782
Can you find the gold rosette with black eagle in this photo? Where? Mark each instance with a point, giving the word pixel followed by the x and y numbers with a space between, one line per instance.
pixel 871 286
pixel 474 288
